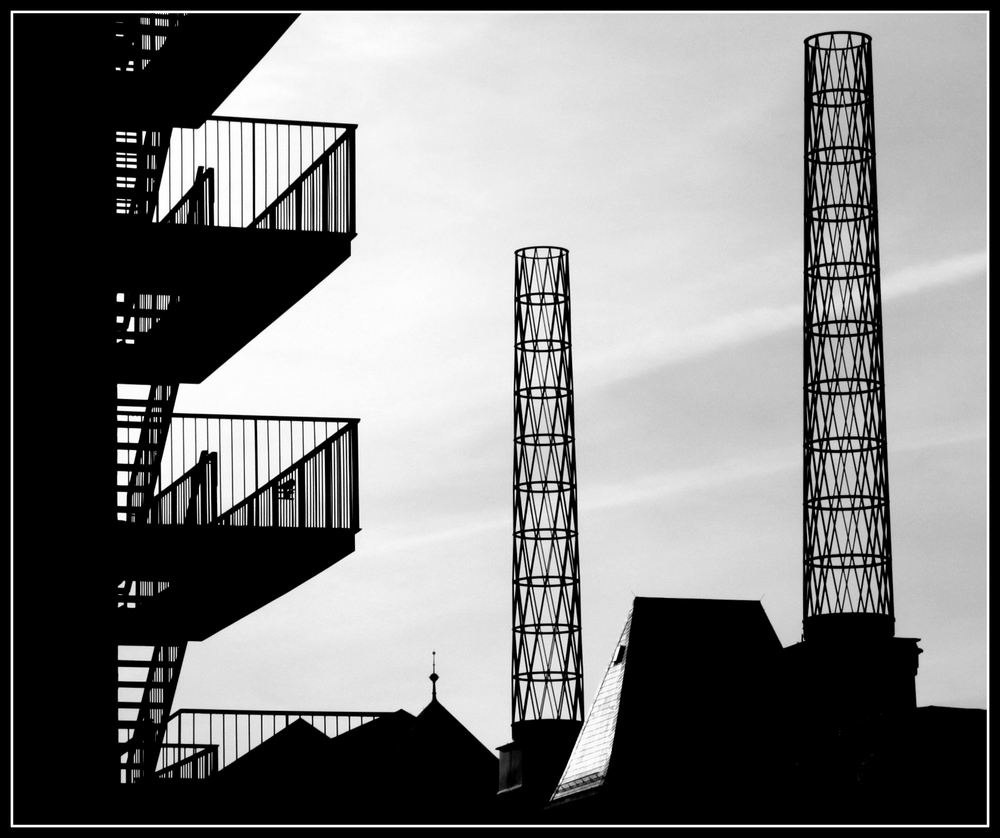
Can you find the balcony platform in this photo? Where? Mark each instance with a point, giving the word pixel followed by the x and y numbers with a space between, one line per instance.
pixel 217 574
pixel 202 61
pixel 233 283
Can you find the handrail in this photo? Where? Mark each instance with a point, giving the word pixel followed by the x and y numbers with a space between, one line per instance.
pixel 229 711
pixel 151 721
pixel 196 490
pixel 297 189
pixel 240 731
pixel 144 467
pixel 153 154
pixel 270 491
pixel 197 207
pixel 290 471
pixel 341 420
pixel 309 124
pixel 202 764
pixel 258 164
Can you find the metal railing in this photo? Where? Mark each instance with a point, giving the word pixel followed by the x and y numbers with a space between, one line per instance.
pixel 142 429
pixel 138 37
pixel 267 471
pixel 188 762
pixel 143 733
pixel 197 207
pixel 136 313
pixel 267 174
pixel 191 498
pixel 234 733
pixel 132 592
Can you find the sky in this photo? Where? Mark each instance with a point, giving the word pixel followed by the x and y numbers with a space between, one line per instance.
pixel 664 151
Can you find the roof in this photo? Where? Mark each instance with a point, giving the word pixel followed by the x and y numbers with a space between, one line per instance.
pixel 396 768
pixel 668 692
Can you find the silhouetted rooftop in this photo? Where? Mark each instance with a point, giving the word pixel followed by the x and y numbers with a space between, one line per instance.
pixel 685 680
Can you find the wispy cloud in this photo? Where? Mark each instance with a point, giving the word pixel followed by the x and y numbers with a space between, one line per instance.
pixel 918 277
pixel 664 483
pixel 434 535
pixel 658 348
pixel 686 481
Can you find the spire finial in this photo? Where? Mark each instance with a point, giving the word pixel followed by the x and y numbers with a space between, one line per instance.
pixel 434 677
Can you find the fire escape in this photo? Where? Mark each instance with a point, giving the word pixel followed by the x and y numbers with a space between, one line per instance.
pixel 219 226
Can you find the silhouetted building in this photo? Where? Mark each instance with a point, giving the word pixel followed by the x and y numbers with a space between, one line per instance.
pixel 695 723
pixel 702 717
pixel 397 768
pixel 203 229
pixel 684 728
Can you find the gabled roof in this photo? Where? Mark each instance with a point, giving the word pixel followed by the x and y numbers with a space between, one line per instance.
pixel 396 768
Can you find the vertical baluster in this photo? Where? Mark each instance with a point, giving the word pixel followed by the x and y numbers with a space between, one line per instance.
pixel 353 448
pixel 350 180
pixel 328 484
pixel 301 493
pixel 325 199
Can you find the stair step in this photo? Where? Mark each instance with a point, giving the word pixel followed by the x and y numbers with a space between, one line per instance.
pixel 145 664
pixel 132 311
pixel 137 403
pixel 138 705
pixel 137 446
pixel 132 684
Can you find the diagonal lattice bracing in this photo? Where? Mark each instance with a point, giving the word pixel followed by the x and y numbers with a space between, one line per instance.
pixel 847 549
pixel 547 668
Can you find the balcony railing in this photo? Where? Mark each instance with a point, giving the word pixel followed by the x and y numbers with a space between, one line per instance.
pixel 188 762
pixel 265 174
pixel 191 498
pixel 137 314
pixel 234 733
pixel 138 37
pixel 134 592
pixel 256 471
pixel 197 207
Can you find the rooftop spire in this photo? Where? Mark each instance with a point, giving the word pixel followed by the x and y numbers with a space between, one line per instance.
pixel 434 677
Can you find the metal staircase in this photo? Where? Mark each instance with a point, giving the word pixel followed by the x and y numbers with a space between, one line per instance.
pixel 142 719
pixel 142 427
pixel 145 684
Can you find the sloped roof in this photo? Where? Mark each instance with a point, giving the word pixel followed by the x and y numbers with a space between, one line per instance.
pixel 591 755
pixel 436 727
pixel 679 665
pixel 425 766
pixel 302 754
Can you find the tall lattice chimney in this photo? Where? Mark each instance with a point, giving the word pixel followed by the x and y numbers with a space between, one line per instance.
pixel 547 645
pixel 849 666
pixel 847 562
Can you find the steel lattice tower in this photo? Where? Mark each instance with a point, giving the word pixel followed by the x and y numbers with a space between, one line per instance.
pixel 846 542
pixel 547 668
